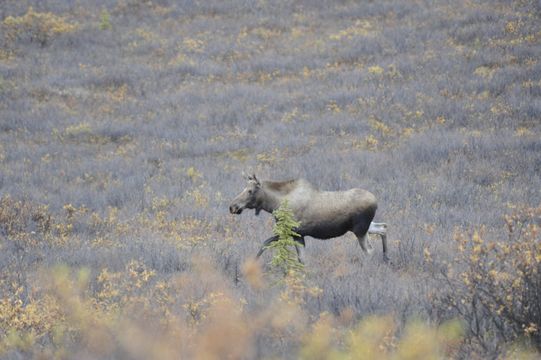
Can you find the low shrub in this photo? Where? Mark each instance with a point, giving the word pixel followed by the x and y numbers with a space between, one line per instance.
pixel 35 27
pixel 495 285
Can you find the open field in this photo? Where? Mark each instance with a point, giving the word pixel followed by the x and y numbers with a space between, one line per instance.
pixel 125 127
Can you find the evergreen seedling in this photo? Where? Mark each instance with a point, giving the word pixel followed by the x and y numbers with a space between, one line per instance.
pixel 284 254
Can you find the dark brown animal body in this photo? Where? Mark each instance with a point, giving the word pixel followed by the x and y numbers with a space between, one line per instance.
pixel 322 214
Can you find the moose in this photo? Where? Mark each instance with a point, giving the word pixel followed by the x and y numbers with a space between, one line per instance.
pixel 322 214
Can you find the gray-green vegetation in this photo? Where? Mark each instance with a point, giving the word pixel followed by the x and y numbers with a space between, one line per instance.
pixel 125 125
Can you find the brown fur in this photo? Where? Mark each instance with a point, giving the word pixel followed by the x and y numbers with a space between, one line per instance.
pixel 282 187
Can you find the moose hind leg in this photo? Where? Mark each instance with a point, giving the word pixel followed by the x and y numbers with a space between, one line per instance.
pixel 365 244
pixel 361 231
pixel 384 243
pixel 381 230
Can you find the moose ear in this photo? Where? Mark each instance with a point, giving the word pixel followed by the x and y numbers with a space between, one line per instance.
pixel 247 176
pixel 254 179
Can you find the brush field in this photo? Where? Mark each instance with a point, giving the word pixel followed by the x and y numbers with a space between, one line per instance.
pixel 125 126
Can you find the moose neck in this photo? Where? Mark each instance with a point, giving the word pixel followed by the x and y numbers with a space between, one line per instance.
pixel 270 200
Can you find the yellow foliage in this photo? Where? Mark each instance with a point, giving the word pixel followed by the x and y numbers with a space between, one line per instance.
pixel 83 132
pixel 407 132
pixel 334 107
pixel 290 116
pixel 182 59
pixel 253 273
pixel 193 45
pixel 118 318
pixel 269 157
pixel 199 198
pixel 319 343
pixel 118 94
pixel 380 126
pixel 361 28
pixel 512 27
pixel 421 342
pixel 23 222
pixel 146 34
pixel 296 289
pixel 523 131
pixel 40 27
pixel 393 71
pixel 266 33
pixel 418 343
pixel 371 142
pixel 373 338
pixel 376 70
pixel 193 173
pixel 484 72
pixel 78 129
pixel 502 275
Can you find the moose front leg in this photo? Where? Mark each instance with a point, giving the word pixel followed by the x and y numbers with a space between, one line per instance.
pixel 265 244
pixel 299 246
